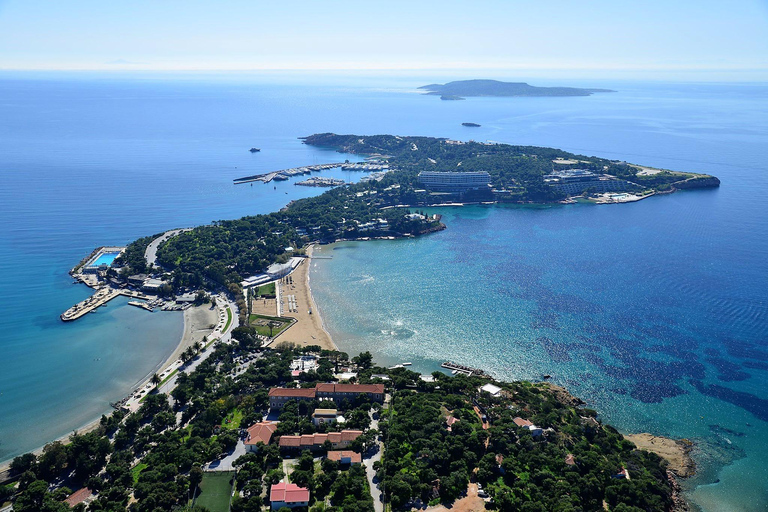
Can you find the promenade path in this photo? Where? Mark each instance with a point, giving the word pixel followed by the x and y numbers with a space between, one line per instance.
pixel 151 253
pixel 222 332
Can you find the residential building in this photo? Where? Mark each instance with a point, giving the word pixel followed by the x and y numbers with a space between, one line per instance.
pixel 259 433
pixel 329 391
pixel 454 181
pixel 345 456
pixel 338 440
pixel 288 495
pixel 533 429
pixel 325 416
pixel 279 396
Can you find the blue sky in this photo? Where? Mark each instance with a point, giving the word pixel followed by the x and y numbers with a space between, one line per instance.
pixel 652 38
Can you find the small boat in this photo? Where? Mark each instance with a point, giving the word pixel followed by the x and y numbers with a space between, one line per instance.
pixel 547 377
pixel 254 150
pixel 407 364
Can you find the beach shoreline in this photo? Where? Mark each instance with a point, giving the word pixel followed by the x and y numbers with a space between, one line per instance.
pixel 309 328
pixel 192 332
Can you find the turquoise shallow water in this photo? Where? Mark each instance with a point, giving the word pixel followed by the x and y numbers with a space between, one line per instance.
pixel 654 312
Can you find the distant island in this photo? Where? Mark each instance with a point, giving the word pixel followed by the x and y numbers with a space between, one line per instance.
pixel 471 125
pixel 461 89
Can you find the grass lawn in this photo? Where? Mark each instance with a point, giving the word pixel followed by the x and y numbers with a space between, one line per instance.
pixel 232 420
pixel 136 471
pixel 259 323
pixel 266 289
pixel 215 490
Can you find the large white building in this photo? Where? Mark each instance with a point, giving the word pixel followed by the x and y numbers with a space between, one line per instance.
pixel 454 181
pixel 576 181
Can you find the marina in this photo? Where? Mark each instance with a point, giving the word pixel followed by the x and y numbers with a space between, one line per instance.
pixel 319 181
pixel 98 299
pixel 285 174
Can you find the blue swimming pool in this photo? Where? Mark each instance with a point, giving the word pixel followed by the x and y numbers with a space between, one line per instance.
pixel 105 258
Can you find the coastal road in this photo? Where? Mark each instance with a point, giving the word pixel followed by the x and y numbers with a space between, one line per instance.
pixel 151 253
pixel 221 332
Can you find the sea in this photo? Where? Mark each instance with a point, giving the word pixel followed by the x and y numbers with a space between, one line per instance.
pixel 655 312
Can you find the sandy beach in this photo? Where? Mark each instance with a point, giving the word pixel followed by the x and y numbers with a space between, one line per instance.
pixel 674 451
pixel 308 328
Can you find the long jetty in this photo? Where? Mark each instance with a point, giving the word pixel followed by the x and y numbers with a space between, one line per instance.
pixel 298 171
pixel 98 299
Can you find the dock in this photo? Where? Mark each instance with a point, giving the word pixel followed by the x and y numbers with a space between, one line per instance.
pixel 98 299
pixel 465 370
pixel 143 305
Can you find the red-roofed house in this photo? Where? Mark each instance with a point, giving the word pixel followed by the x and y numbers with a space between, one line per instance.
pixel 328 391
pixel 279 396
pixel 345 456
pixel 78 496
pixel 449 421
pixel 533 429
pixel 288 495
pixel 259 433
pixel 314 441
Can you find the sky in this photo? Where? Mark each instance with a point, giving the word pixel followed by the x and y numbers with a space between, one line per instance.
pixel 726 39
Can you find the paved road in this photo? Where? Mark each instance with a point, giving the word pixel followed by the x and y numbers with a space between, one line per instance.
pixel 224 335
pixel 151 253
pixel 378 505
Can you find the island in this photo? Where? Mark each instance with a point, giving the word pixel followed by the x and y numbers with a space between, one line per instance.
pixel 471 125
pixel 461 89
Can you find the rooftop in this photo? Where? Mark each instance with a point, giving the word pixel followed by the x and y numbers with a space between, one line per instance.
pixel 337 455
pixel 260 433
pixel 288 493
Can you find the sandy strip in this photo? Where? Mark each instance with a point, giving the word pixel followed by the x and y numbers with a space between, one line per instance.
pixel 198 322
pixel 309 328
pixel 676 452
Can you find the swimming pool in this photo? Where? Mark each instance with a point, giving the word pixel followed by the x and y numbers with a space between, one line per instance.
pixel 105 258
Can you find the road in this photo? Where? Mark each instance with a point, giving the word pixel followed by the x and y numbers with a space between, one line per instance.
pixel 151 253
pixel 378 504
pixel 219 332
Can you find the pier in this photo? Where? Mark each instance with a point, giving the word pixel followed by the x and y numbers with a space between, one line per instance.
pixel 460 368
pixel 143 305
pixel 98 299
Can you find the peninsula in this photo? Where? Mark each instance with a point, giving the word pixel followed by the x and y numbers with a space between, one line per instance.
pixel 256 404
pixel 461 89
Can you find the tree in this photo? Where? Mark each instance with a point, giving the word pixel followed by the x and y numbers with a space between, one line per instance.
pixel 364 360
pixel 195 476
pixel 156 379
pixel 23 463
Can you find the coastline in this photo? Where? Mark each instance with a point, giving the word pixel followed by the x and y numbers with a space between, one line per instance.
pixel 191 334
pixel 309 329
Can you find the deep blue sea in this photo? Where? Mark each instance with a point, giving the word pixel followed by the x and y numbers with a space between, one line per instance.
pixel 655 312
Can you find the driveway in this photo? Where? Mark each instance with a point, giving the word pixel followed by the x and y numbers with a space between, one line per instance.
pixel 227 463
